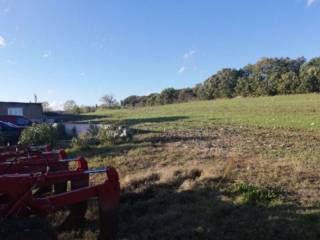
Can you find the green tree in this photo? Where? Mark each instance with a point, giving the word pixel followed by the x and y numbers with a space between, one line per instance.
pixel 131 101
pixel 289 83
pixel 153 99
pixel 246 86
pixel 168 96
pixel 221 84
pixel 185 95
pixel 199 92
pixel 310 76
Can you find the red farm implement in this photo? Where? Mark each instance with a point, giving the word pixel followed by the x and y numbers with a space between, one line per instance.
pixel 20 151
pixel 37 162
pixel 36 185
pixel 14 148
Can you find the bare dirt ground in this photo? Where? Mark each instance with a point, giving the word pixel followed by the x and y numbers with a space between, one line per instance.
pixel 218 182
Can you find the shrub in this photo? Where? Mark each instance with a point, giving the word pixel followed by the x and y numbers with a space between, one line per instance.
pixel 115 134
pixel 39 135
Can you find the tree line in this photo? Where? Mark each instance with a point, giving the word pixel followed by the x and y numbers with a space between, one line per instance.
pixel 267 77
pixel 108 101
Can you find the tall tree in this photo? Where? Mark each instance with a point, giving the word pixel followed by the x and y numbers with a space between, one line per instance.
pixel 108 100
pixel 70 106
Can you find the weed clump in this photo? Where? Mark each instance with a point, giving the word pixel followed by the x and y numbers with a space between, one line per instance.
pixel 250 194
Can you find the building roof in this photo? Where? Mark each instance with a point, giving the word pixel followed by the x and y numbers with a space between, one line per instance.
pixel 25 103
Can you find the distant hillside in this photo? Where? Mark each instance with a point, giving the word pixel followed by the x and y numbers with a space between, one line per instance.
pixel 267 77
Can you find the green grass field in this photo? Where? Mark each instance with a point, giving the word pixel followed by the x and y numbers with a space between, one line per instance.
pixel 292 111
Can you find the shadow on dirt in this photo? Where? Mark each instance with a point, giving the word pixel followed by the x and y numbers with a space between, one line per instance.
pixel 151 210
pixel 104 151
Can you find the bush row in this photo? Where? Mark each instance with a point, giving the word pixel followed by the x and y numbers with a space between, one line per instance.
pixel 42 134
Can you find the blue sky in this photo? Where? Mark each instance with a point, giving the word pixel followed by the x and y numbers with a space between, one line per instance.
pixel 83 49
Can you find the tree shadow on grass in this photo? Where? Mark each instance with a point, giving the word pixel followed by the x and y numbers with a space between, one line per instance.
pixel 108 119
pixel 135 121
pixel 154 210
pixel 58 117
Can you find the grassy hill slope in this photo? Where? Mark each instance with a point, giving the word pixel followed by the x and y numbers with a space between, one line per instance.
pixel 292 111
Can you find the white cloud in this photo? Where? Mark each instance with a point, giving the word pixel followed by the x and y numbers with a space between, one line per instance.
pixel 189 55
pixel 311 2
pixel 182 69
pixel 47 54
pixel 187 61
pixel 57 106
pixel 3 42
